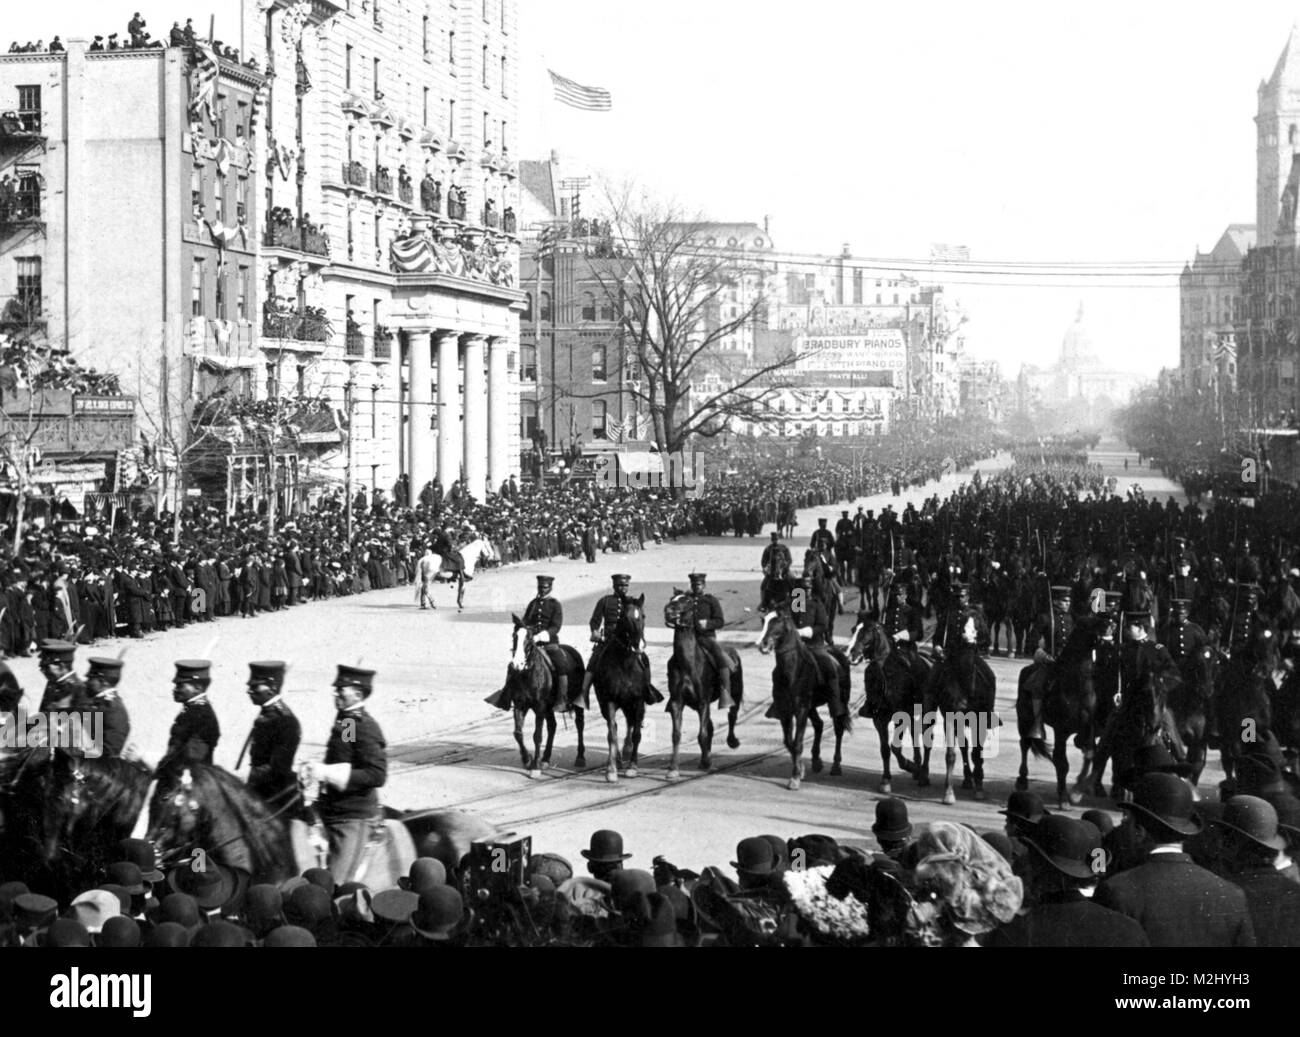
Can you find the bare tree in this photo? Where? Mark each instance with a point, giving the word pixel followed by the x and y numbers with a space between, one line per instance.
pixel 672 291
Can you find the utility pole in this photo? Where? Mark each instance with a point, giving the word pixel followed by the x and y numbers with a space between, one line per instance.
pixel 347 493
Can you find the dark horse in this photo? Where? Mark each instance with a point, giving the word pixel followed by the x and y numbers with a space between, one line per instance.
pixel 825 588
pixel 965 719
pixel 1192 704
pixel 534 685
pixel 65 815
pixel 895 682
pixel 1142 718
pixel 1245 701
pixel 622 684
pixel 1069 707
pixel 692 681
pixel 795 682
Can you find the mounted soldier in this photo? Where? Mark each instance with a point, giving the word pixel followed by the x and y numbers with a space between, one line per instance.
pixel 902 622
pixel 101 688
pixel 1180 636
pixel 708 621
pixel 814 626
pixel 776 564
pixel 604 618
pixel 195 733
pixel 1248 623
pixel 1053 628
pixel 543 618
pixel 273 742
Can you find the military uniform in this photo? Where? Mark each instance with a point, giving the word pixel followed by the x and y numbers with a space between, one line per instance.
pixel 814 617
pixel 1054 630
pixel 349 799
pixel 605 618
pixel 117 722
pixel 1182 638
pixel 823 540
pixel 708 621
pixel 900 617
pixel 272 746
pixel 195 732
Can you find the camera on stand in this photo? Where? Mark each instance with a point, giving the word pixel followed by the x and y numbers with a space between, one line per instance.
pixel 496 883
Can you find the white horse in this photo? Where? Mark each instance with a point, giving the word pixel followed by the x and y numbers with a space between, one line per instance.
pixel 473 553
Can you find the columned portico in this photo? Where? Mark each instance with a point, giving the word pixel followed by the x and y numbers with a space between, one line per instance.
pixel 498 435
pixel 476 417
pixel 448 409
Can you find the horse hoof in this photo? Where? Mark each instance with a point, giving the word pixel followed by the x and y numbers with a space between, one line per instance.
pixel 546 765
pixel 816 766
pixel 980 795
pixel 836 770
pixel 674 775
pixel 1022 784
pixel 580 762
pixel 534 775
pixel 887 787
pixel 1075 797
pixel 733 742
pixel 611 777
pixel 949 797
pixel 793 785
pixel 631 772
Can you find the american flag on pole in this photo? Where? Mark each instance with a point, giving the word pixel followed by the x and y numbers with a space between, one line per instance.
pixel 575 95
pixel 949 254
pixel 203 79
pixel 614 430
pixel 1225 351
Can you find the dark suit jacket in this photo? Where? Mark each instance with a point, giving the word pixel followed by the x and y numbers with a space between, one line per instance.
pixel 357 740
pixel 117 724
pixel 271 749
pixel 1179 904
pixel 1274 906
pixel 194 736
pixel 1070 920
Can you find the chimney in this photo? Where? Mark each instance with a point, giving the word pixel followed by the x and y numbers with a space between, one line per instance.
pixel 845 251
pixel 767 225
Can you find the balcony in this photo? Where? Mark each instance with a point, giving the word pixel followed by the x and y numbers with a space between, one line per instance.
pixel 383 343
pixel 355 345
pixel 20 128
pixel 382 182
pixel 310 325
pixel 509 223
pixel 406 193
pixel 297 239
pixel 21 209
pixel 456 205
pixel 354 175
pixel 491 219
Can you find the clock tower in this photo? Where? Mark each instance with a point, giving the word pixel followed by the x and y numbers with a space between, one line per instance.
pixel 1278 138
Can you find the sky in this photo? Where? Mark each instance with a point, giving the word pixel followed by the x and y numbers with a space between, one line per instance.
pixel 1104 133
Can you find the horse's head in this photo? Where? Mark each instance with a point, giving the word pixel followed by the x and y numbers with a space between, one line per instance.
pixel 868 641
pixel 680 610
pixel 630 629
pixel 521 646
pixel 778 628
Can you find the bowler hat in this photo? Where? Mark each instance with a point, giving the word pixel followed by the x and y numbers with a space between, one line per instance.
pixel 1165 802
pixel 263 907
pixel 606 847
pixel 220 933
pixel 127 875
pixel 441 910
pixel 266 673
pixel 289 936
pixel 394 905
pixel 817 850
pixel 626 888
pixel 1065 844
pixel 310 906
pixel 892 824
pixel 1001 842
pixel 192 670
pixel 212 886
pixel 120 931
pixel 1099 819
pixel 660 929
pixel 355 677
pixel 1253 819
pixel 66 932
pixel 322 877
pixel 1025 806
pixel 1151 758
pixel 424 873
pixel 755 856
pixel 180 908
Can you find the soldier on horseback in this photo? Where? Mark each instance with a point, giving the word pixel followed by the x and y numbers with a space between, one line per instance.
pixel 1179 634
pixel 776 564
pixel 604 619
pixel 1142 656
pixel 903 623
pixel 195 733
pixel 813 624
pixel 274 739
pixel 101 688
pixel 823 542
pixel 960 637
pixel 709 620
pixel 1054 628
pixel 1248 623
pixel 543 618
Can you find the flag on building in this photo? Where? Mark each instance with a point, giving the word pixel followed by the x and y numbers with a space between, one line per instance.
pixel 575 95
pixel 203 79
pixel 949 253
pixel 614 430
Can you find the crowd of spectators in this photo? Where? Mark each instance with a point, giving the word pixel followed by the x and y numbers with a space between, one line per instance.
pixel 137 37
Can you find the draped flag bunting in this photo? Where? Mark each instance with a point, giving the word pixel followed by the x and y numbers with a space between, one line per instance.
pixel 203 79
pixel 412 255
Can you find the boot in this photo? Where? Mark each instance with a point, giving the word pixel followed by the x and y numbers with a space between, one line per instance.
pixel 501 699
pixel 585 694
pixel 724 689
pixel 562 693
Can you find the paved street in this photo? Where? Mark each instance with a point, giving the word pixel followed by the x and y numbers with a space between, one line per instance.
pixel 449 749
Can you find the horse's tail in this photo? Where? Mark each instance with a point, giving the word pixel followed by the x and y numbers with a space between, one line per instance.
pixel 1038 746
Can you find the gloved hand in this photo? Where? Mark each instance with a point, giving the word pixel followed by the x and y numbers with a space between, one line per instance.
pixel 805 631
pixel 903 635
pixel 703 624
pixel 542 637
pixel 335 774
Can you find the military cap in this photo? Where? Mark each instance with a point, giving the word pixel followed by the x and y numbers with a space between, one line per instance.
pixel 1137 618
pixel 34 910
pixel 618 578
pixel 61 651
pixel 355 677
pixel 192 670
pixel 775 535
pixel 545 581
pixel 108 668
pixel 266 673
pixel 1060 592
pixel 700 577
pixel 1180 603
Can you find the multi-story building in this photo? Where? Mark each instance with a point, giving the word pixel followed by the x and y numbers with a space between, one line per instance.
pixel 389 128
pixel 128 240
pixel 983 392
pixel 1210 304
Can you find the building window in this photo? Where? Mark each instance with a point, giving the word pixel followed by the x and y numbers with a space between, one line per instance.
pixel 809 281
pixel 528 363
pixel 607 310
pixel 29 286
pixel 272 382
pixel 895 298
pixel 241 120
pixel 546 306
pixel 374 411
pixel 196 193
pixel 379 22
pixel 528 419
pixel 241 200
pixel 219 199
pixel 487 132
pixel 378 234
pixel 451 48
pixel 219 115
pixel 424 37
pixel 221 297
pixel 451 119
pixel 504 150
pixel 857 287
pixel 598 373
pixel 504 92
pixel 347 66
pixel 29 108
pixel 196 289
pixel 426 107
pixel 485 66
pixel 599 413
pixel 241 301
pixel 351 235
pixel 588 306
pixel 376 75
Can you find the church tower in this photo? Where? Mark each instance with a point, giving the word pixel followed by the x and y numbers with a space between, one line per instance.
pixel 1278 138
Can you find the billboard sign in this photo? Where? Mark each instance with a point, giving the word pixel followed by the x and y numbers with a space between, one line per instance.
pixel 882 350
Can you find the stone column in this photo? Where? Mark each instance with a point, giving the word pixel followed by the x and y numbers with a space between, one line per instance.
pixel 476 417
pixel 448 410
pixel 419 450
pixel 498 436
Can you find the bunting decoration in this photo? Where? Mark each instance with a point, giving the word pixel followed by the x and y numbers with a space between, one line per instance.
pixel 203 80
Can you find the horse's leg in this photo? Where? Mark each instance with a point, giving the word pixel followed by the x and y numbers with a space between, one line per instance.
pixel 705 736
pixel 950 761
pixel 519 736
pixel 550 739
pixel 977 756
pixel 1022 781
pixel 611 734
pixel 836 768
pixel 815 719
pixel 796 752
pixel 885 732
pixel 967 780
pixel 539 719
pixel 579 721
pixel 1060 747
pixel 675 708
pixel 460 591
pixel 635 715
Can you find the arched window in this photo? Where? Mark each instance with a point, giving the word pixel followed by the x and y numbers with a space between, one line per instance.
pixel 607 310
pixel 528 306
pixel 546 305
pixel 588 306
